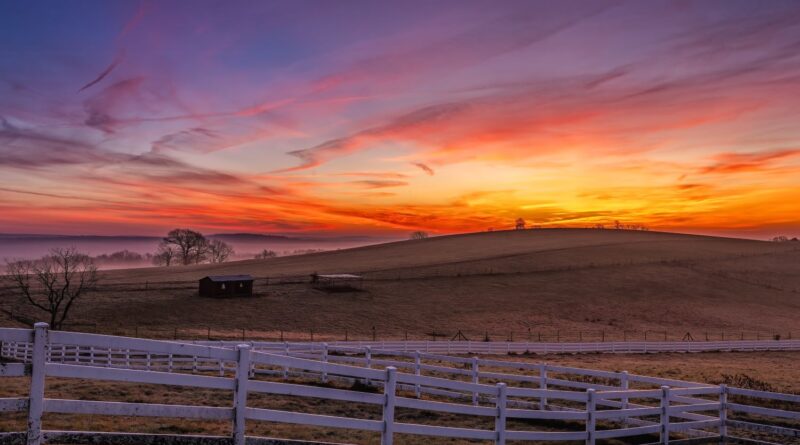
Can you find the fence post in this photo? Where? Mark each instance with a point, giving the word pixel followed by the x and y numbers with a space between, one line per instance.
pixel 625 385
pixel 475 379
pixel 324 363
pixel 286 353
pixel 41 340
pixel 368 358
pixel 543 385
pixel 500 420
pixel 665 414
pixel 240 395
pixel 417 369
pixel 389 390
pixel 591 422
pixel 723 411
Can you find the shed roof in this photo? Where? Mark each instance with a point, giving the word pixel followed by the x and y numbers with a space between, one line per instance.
pixel 224 278
pixel 340 276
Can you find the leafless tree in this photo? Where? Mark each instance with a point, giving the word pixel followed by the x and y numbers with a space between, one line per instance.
pixel 191 246
pixel 165 254
pixel 264 254
pixel 55 282
pixel 780 239
pixel 219 251
pixel 519 224
pixel 418 235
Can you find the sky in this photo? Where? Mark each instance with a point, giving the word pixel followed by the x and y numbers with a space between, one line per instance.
pixel 380 118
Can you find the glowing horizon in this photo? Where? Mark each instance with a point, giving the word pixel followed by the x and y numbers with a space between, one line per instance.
pixel 377 118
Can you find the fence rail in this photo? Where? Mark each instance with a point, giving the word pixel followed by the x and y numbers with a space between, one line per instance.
pixel 624 404
pixel 524 347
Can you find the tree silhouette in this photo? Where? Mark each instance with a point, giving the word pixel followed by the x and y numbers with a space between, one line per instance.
pixel 165 254
pixel 219 251
pixel 191 246
pixel 264 254
pixel 55 282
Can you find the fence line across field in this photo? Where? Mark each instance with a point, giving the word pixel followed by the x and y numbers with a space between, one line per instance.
pixel 700 408
pixel 524 347
pixel 209 333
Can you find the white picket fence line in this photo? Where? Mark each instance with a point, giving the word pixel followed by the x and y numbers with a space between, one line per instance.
pixel 90 356
pixel 527 347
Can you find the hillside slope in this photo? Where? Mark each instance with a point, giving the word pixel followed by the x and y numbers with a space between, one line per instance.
pixel 501 249
pixel 566 280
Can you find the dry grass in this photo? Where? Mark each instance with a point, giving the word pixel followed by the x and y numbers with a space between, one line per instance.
pixel 577 282
pixel 775 369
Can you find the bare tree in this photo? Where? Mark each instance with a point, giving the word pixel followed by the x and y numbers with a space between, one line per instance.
pixel 55 282
pixel 191 246
pixel 519 224
pixel 418 235
pixel 165 254
pixel 780 239
pixel 264 254
pixel 219 251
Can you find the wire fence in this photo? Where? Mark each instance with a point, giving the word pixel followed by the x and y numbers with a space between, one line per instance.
pixel 200 332
pixel 376 333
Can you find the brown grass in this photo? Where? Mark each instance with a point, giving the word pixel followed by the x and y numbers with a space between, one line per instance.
pixel 776 369
pixel 580 283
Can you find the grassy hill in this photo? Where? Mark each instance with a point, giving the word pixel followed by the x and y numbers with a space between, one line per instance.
pixel 581 283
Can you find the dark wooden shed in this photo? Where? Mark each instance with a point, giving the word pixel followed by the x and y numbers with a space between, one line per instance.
pixel 222 286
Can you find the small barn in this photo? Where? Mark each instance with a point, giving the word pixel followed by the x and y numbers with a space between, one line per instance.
pixel 223 286
pixel 341 282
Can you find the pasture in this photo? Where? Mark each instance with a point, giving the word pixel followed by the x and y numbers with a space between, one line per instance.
pixel 551 284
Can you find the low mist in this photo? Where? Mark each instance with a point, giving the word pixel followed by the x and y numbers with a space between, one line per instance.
pixel 120 252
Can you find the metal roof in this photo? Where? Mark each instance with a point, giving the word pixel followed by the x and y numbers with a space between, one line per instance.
pixel 223 278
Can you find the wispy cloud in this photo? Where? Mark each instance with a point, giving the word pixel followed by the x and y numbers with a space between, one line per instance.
pixel 744 162
pixel 423 167
pixel 378 183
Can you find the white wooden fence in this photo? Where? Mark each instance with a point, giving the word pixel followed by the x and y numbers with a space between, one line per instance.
pixel 624 404
pixel 522 347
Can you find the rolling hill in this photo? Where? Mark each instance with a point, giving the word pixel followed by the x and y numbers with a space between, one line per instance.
pixel 577 282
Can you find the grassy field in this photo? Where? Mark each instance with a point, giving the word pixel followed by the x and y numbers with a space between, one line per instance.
pixel 568 284
pixel 775 370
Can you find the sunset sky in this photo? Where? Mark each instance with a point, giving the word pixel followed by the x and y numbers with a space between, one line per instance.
pixel 376 117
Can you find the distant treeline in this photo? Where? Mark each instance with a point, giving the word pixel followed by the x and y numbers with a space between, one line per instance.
pixel 127 258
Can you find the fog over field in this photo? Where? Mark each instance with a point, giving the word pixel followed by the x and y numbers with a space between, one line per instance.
pixel 246 246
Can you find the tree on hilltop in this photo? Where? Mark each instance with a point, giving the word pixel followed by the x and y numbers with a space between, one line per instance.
pixel 165 255
pixel 191 246
pixel 264 254
pixel 219 251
